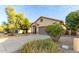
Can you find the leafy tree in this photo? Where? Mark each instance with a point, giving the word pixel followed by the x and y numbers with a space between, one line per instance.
pixel 5 27
pixel 26 25
pixel 1 28
pixel 72 21
pixel 11 13
pixel 16 21
pixel 55 31
pixel 11 28
pixel 20 18
pixel 23 22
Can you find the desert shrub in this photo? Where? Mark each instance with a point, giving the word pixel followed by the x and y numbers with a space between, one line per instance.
pixel 40 46
pixel 1 29
pixel 55 31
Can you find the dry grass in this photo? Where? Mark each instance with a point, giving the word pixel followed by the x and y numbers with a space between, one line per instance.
pixel 40 46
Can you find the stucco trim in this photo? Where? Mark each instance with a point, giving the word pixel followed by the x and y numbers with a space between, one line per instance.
pixel 46 18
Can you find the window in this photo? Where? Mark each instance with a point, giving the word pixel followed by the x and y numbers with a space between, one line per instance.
pixel 41 20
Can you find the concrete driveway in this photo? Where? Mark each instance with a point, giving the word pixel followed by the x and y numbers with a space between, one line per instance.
pixel 8 46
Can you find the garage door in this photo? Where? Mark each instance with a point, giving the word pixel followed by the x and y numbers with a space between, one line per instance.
pixel 42 30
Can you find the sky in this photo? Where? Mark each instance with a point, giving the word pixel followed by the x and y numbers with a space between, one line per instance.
pixel 33 12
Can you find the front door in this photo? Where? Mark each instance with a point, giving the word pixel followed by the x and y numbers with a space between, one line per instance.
pixel 34 29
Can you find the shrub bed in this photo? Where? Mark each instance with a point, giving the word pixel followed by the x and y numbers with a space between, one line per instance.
pixel 40 46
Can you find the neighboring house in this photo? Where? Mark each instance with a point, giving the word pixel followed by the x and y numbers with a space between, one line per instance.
pixel 38 27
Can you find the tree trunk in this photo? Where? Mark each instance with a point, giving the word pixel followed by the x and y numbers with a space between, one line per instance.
pixel 54 38
pixel 67 32
pixel 23 32
pixel 73 32
pixel 26 31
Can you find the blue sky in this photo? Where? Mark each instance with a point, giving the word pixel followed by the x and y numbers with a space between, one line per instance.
pixel 32 12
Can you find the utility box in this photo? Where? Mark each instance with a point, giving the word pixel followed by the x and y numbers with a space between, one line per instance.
pixel 76 44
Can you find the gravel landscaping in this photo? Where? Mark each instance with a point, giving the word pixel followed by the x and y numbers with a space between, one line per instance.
pixel 67 40
pixel 12 44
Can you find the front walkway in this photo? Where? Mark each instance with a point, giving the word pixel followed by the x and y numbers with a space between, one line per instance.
pixel 8 45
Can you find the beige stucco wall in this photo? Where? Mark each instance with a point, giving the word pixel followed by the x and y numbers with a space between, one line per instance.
pixel 45 22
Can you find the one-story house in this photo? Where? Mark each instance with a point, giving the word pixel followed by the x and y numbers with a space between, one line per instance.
pixel 38 27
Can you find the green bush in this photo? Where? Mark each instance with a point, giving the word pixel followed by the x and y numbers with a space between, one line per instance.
pixel 72 21
pixel 55 31
pixel 40 46
pixel 1 29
